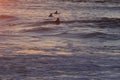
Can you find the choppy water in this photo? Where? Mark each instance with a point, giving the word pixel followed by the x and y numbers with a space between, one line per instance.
pixel 84 46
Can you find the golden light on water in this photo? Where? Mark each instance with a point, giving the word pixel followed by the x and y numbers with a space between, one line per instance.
pixel 7 2
pixel 31 52
pixel 42 52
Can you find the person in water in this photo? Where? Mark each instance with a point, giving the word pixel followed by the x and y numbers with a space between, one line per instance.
pixel 56 12
pixel 57 21
pixel 51 15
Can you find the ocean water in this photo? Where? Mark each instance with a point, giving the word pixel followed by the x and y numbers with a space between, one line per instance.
pixel 84 46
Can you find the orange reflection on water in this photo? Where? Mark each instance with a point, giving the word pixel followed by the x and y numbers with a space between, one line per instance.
pixel 63 53
pixel 5 2
pixel 31 52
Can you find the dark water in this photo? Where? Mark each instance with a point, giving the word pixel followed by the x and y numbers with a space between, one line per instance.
pixel 84 46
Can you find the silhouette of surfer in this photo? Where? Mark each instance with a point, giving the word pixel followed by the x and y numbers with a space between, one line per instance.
pixel 57 21
pixel 56 12
pixel 51 15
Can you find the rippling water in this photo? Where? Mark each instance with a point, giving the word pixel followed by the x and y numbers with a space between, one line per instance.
pixel 84 46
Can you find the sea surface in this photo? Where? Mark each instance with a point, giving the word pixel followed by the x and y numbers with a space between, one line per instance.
pixel 84 46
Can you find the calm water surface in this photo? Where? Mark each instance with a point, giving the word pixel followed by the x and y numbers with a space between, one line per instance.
pixel 85 46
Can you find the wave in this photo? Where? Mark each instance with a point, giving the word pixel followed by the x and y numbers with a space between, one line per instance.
pixel 109 23
pixel 93 35
pixel 40 29
pixel 96 1
pixel 102 35
pixel 104 21
pixel 65 33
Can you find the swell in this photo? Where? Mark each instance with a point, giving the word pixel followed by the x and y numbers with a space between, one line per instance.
pixel 101 22
pixel 40 29
pixel 96 1
pixel 102 36
pixel 93 35
pixel 98 22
